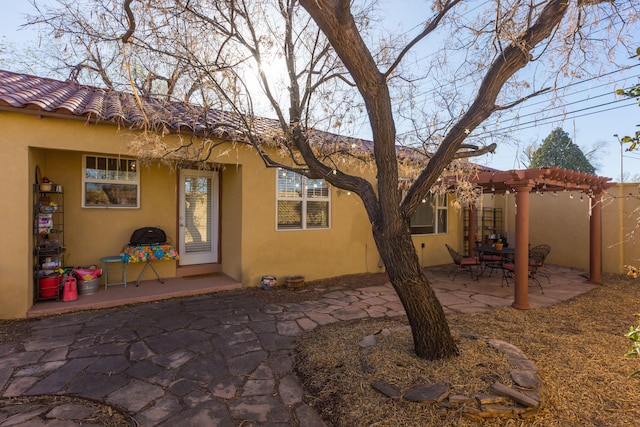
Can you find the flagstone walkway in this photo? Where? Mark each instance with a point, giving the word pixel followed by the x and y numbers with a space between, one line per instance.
pixel 223 359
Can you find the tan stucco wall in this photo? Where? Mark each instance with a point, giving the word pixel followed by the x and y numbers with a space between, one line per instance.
pixel 250 244
pixel 230 221
pixel 92 233
pixel 563 223
pixel 56 146
pixel 621 236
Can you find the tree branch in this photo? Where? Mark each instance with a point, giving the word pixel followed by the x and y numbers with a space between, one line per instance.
pixel 432 25
pixel 505 65
pixel 131 20
pixel 475 152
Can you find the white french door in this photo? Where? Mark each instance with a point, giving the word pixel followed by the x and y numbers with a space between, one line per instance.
pixel 198 220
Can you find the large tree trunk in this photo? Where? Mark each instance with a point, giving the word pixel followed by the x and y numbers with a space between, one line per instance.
pixel 431 335
pixel 391 231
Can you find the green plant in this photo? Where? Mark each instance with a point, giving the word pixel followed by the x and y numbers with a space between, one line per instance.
pixel 634 331
pixel 634 336
pixel 632 92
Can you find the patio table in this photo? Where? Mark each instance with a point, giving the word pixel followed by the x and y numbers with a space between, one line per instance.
pixel 505 252
pixel 494 262
pixel 147 253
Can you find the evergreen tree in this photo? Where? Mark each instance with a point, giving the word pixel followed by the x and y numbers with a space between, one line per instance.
pixel 557 149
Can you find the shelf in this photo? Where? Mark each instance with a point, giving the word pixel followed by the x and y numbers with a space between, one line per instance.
pixel 48 240
pixel 48 251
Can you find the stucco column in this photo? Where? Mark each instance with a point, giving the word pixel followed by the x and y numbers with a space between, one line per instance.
pixel 521 280
pixel 595 239
pixel 472 229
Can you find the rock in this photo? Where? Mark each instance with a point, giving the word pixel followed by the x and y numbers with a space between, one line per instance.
pixel 387 389
pixel 504 410
pixel 514 394
pixel 368 341
pixel 484 399
pixel 459 399
pixel 366 367
pixel 431 393
pixel 525 379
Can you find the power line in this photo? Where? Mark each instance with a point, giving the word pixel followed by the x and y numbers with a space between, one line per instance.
pixel 566 116
pixel 544 122
pixel 566 96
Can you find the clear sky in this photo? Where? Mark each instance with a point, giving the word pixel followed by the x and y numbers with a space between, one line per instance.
pixel 590 122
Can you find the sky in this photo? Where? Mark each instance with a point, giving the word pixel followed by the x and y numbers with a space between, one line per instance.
pixel 592 121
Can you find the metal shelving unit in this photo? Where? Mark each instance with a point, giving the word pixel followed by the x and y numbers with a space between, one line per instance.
pixel 48 241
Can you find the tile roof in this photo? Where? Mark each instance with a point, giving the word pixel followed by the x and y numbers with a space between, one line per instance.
pixel 40 94
pixel 69 99
pixel 22 91
pixel 66 98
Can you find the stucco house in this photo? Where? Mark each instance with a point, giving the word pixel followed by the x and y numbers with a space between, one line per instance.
pixel 257 222
pixel 237 217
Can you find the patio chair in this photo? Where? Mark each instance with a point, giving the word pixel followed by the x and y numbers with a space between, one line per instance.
pixel 464 263
pixel 537 256
pixel 491 261
pixel 509 269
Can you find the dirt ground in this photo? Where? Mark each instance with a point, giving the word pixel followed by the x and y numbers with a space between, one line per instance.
pixel 578 346
pixel 313 290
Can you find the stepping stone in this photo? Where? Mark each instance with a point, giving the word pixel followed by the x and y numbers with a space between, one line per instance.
pixel 431 393
pixel 387 389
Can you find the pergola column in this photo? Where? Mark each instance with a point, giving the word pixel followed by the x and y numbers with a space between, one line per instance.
pixel 472 229
pixel 521 279
pixel 595 239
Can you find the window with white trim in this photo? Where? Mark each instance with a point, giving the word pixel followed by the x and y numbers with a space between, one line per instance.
pixel 431 215
pixel 302 203
pixel 111 182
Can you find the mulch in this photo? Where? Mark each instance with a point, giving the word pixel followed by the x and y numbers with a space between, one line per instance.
pixel 578 345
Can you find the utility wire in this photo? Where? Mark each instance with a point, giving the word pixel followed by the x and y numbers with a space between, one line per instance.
pixel 566 96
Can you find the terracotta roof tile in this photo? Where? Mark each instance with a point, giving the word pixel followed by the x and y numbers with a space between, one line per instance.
pixel 97 104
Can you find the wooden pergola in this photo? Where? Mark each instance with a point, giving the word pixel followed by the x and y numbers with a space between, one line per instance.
pixel 522 183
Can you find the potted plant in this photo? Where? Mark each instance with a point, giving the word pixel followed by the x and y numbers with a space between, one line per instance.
pixel 499 245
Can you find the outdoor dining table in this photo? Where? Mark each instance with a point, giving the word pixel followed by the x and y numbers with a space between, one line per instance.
pixel 491 250
pixel 492 261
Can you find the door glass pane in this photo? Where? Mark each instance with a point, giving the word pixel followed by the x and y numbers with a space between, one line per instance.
pixel 197 214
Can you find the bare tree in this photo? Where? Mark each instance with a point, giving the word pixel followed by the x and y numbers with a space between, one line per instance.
pixel 340 66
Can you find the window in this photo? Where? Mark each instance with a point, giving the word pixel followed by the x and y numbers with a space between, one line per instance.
pixel 110 182
pixel 303 203
pixel 431 216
